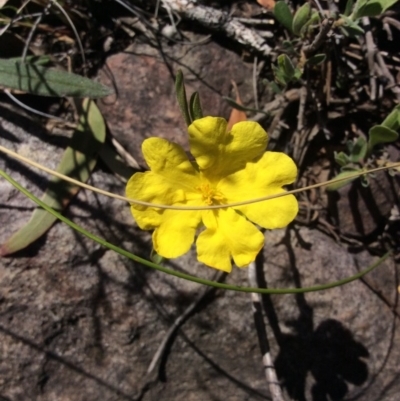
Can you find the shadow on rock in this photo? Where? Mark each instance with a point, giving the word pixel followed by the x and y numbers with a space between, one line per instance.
pixel 329 353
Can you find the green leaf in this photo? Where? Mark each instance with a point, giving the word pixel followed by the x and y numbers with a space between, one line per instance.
pixel 181 96
pixel 44 81
pixel 359 150
pixel 316 59
pixel 300 18
pixel 342 158
pixel 78 160
pixel 349 7
pixel 286 66
pixel 350 27
pixel 283 15
pixel 337 185
pixel 195 106
pixel 381 134
pixel 392 121
pixel 371 8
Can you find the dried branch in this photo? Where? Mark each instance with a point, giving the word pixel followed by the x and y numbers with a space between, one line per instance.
pixel 320 38
pixel 270 372
pixel 218 21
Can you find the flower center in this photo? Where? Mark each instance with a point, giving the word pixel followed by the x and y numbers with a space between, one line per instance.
pixel 210 195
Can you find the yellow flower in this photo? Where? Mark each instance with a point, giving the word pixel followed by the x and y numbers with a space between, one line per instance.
pixel 229 167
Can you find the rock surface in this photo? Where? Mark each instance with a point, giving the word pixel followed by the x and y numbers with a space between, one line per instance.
pixel 79 322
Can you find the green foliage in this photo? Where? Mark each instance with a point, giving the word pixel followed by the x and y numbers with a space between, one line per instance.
pixel 371 8
pixel 78 161
pixel 359 151
pixel 344 174
pixel 316 59
pixel 283 15
pixel 285 71
pixel 181 97
pixel 39 80
pixel 300 19
pixel 195 106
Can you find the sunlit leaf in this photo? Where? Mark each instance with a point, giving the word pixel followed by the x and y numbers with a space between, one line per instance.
pixel 381 134
pixel 371 8
pixel 78 161
pixel 39 80
pixel 181 96
pixel 195 106
pixel 339 184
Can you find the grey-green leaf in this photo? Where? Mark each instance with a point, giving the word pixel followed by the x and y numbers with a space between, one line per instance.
pixel 39 80
pixel 339 184
pixel 78 161
pixel 300 18
pixel 381 134
pixel 392 121
pixel 341 158
pixel 371 8
pixel 283 15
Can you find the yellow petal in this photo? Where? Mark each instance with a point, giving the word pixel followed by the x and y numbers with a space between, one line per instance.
pixel 262 178
pixel 176 232
pixel 155 188
pixel 169 160
pixel 221 153
pixel 228 235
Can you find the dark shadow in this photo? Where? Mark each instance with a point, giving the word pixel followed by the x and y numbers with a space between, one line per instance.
pixel 329 352
pixel 54 356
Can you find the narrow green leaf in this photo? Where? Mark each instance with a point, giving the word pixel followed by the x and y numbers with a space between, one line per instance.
pixel 337 185
pixel 316 59
pixel 349 7
pixel 381 134
pixel 181 96
pixel 195 106
pixel 78 161
pixel 43 81
pixel 283 15
pixel 359 150
pixel 300 18
pixel 286 66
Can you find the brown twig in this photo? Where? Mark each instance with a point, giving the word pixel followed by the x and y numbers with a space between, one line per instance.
pixel 320 38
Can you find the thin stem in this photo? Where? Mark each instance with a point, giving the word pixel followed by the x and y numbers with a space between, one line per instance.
pixel 172 207
pixel 185 276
